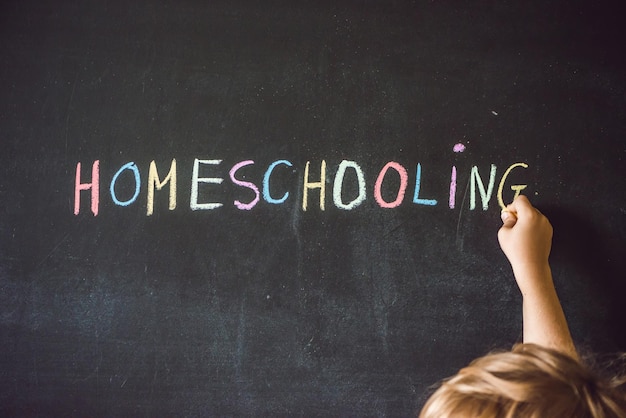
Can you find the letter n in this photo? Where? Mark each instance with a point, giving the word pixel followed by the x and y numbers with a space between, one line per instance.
pixel 484 195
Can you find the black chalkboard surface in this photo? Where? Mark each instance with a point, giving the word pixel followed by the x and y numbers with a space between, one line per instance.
pixel 285 208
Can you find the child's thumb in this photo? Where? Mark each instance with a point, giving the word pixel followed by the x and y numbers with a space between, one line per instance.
pixel 508 218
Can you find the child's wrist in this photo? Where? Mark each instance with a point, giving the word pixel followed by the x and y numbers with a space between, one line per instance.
pixel 533 277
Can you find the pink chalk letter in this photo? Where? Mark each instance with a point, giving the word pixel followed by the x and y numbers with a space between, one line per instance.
pixel 452 188
pixel 251 186
pixel 404 177
pixel 94 186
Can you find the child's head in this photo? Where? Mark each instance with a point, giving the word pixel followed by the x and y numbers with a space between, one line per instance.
pixel 529 381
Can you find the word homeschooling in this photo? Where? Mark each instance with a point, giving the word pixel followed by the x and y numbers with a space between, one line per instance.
pixel 201 201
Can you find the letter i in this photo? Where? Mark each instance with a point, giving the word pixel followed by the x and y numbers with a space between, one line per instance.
pixel 457 148
pixel 453 187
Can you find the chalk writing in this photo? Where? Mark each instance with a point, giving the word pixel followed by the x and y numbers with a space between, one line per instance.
pixel 418 182
pixel 338 185
pixel 153 181
pixel 314 185
pixel 517 188
pixel 94 186
pixel 476 180
pixel 452 199
pixel 132 167
pixel 195 179
pixel 458 148
pixel 404 178
pixel 348 173
pixel 266 183
pixel 247 184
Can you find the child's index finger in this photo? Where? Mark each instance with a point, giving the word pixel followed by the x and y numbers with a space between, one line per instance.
pixel 520 206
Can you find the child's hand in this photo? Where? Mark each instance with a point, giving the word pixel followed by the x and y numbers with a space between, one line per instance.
pixel 525 237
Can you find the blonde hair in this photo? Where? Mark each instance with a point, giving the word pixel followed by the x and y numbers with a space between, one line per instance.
pixel 529 381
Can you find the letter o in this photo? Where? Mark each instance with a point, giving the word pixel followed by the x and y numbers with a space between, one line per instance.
pixel 128 166
pixel 338 184
pixel 404 178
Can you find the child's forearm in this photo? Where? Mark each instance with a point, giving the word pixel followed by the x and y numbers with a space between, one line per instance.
pixel 544 320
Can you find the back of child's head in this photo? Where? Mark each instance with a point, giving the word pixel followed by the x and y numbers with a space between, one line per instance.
pixel 529 381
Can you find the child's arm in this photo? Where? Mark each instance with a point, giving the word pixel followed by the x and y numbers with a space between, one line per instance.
pixel 526 239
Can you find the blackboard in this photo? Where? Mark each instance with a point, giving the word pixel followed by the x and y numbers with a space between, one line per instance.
pixel 329 248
